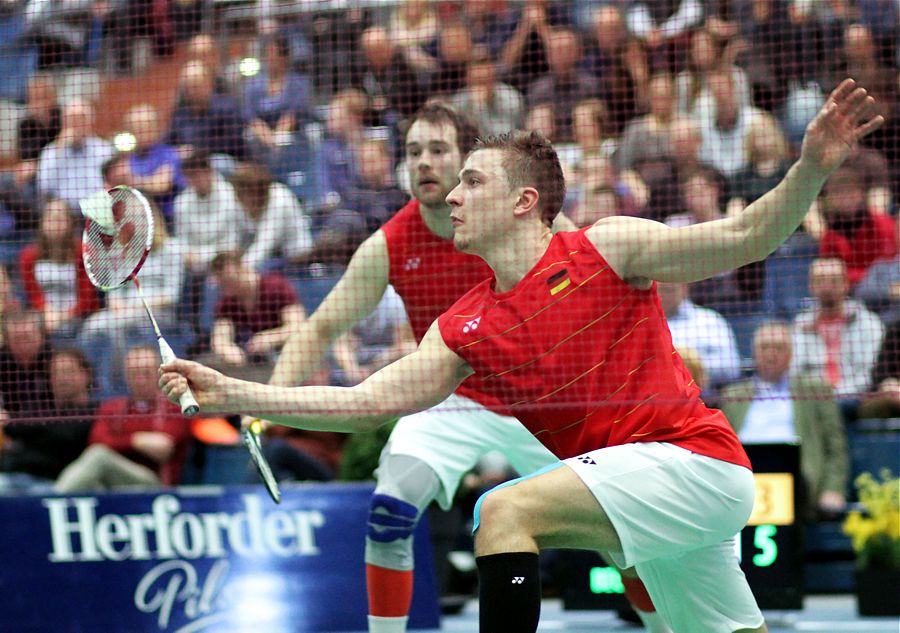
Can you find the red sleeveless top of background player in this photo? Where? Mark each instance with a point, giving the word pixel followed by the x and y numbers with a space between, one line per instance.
pixel 430 275
pixel 583 359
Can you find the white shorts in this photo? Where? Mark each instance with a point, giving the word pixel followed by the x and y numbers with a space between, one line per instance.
pixel 452 436
pixel 676 514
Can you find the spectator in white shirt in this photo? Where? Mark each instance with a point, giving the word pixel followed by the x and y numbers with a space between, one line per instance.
pixel 70 167
pixel 838 337
pixel 702 329
pixel 274 224
pixel 208 220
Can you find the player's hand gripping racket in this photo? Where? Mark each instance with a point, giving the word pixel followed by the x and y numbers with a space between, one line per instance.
pixel 251 434
pixel 118 235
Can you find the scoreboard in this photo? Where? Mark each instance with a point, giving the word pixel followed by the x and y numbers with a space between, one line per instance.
pixel 770 547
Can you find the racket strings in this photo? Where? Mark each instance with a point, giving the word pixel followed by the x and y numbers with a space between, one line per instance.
pixel 111 258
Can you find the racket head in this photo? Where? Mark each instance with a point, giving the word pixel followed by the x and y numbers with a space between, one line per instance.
pixel 251 440
pixel 113 255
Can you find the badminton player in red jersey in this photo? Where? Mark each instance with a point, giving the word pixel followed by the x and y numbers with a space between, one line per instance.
pixel 570 336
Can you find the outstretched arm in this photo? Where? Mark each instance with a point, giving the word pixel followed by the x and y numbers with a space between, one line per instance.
pixel 413 383
pixel 639 250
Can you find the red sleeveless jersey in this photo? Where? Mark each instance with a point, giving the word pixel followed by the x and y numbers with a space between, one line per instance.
pixel 583 359
pixel 430 275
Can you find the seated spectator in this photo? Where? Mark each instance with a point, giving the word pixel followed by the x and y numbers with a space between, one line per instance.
pixel 208 215
pixel 60 33
pixel 854 233
pixel 702 195
pixel 377 340
pixel 725 124
pixel 564 85
pixel 883 400
pixel 53 275
pixel 600 192
pixel 542 119
pixel 70 167
pixel 618 60
pixel 203 120
pixel 838 338
pixel 204 48
pixel 880 288
pixel 523 57
pixel 42 123
pixel 255 315
pixel 591 130
pixel 454 48
pixel 300 455
pixel 107 334
pixel 495 106
pixel 346 130
pixel 776 407
pixel 208 219
pixel 24 365
pixel 707 55
pixel 8 300
pixel 774 53
pixel 131 20
pixel 155 168
pixel 491 24
pixel 702 329
pixel 377 197
pixel 414 27
pixel 41 447
pixel 768 163
pixel 647 138
pixel 138 441
pixel 662 27
pixel 274 225
pixel 277 101
pixel 385 78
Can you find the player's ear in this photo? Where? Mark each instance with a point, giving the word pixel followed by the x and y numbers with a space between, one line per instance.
pixel 528 200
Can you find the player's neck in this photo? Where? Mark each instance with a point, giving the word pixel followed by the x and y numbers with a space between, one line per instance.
pixel 437 219
pixel 512 259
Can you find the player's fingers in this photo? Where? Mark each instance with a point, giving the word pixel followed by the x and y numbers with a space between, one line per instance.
pixel 853 101
pixel 860 109
pixel 869 126
pixel 843 89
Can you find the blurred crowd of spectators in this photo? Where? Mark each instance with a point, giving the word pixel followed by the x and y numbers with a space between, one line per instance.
pixel 268 170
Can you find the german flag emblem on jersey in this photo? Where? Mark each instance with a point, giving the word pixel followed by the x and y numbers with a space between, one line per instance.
pixel 559 281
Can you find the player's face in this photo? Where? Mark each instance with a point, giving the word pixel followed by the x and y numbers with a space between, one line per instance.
pixel 482 202
pixel 433 159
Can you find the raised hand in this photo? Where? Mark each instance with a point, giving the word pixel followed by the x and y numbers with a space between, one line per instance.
pixel 843 120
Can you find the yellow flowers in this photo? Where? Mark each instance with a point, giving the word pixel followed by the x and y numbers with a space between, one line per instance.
pixel 875 531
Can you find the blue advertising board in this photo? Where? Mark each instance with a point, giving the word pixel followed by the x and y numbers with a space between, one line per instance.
pixel 188 560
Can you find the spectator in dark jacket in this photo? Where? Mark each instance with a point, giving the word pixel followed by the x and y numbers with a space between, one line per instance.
pixel 24 365
pixel 43 446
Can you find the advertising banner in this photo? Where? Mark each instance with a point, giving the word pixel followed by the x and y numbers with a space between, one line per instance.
pixel 187 560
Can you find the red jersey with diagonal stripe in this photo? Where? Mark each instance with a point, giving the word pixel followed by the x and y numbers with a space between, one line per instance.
pixel 583 359
pixel 430 275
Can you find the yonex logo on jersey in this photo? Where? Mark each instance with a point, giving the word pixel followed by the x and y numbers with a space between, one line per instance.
pixel 412 263
pixel 587 459
pixel 518 580
pixel 472 325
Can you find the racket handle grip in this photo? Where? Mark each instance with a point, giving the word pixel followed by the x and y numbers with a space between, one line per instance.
pixel 187 401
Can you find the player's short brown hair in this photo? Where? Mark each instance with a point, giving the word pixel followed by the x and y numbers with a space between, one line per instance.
pixel 531 161
pixel 437 112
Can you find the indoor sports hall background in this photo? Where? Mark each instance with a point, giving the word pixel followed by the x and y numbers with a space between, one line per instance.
pixel 269 136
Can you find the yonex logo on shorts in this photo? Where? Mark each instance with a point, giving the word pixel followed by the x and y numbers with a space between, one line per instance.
pixel 472 325
pixel 587 459
pixel 518 580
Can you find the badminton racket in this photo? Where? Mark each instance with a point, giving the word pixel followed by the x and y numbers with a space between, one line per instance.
pixel 250 434
pixel 117 237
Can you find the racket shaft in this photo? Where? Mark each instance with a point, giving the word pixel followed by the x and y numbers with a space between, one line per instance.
pixel 187 401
